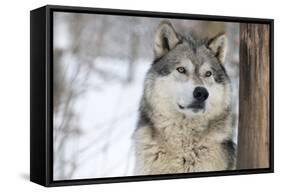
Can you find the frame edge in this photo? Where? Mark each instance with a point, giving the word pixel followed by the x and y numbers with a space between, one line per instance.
pixel 38 127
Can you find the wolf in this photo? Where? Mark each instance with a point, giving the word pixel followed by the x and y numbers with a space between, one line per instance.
pixel 185 117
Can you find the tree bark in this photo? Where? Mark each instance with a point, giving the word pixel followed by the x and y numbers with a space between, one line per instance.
pixel 253 132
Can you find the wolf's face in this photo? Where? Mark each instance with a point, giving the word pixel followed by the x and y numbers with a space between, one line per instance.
pixel 187 76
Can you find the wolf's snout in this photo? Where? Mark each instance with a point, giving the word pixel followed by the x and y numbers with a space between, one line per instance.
pixel 200 94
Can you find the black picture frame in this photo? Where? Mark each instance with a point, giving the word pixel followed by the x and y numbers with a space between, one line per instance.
pixel 41 99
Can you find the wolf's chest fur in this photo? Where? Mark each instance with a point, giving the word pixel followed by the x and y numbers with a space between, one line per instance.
pixel 178 148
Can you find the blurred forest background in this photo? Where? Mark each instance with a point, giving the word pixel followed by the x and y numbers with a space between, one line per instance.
pixel 99 66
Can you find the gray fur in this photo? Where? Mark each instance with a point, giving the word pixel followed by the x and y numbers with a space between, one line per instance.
pixel 230 149
pixel 168 140
pixel 188 47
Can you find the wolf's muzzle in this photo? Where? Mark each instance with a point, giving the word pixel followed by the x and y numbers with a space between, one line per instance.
pixel 200 94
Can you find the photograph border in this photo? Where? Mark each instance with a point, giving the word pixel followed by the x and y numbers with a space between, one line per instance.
pixel 41 91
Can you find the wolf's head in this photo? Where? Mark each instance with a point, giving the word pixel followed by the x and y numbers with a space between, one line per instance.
pixel 187 76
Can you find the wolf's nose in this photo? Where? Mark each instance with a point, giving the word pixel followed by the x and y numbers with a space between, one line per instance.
pixel 200 94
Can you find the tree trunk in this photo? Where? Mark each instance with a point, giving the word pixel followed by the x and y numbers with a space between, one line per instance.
pixel 253 133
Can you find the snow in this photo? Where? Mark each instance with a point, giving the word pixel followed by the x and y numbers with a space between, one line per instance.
pixel 108 117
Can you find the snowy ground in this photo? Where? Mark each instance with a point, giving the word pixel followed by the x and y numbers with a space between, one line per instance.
pixel 108 116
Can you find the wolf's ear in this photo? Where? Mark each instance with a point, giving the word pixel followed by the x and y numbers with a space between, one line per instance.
pixel 218 45
pixel 165 39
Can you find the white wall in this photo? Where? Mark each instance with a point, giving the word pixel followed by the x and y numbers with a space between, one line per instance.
pixel 14 94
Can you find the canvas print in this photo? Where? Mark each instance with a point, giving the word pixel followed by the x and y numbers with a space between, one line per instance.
pixel 143 96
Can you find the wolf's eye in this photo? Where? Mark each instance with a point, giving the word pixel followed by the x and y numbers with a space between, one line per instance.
pixel 208 74
pixel 181 69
